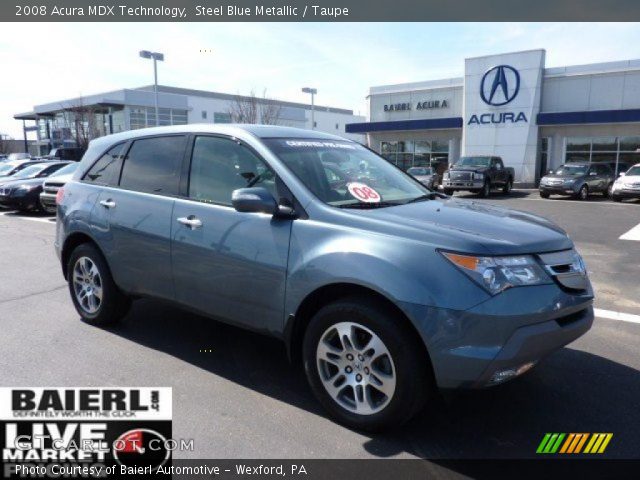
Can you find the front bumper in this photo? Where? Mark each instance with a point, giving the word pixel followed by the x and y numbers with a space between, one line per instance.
pixel 557 189
pixel 510 330
pixel 626 193
pixel 48 199
pixel 17 202
pixel 463 184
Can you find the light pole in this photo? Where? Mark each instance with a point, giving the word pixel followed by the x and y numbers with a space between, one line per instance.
pixel 313 92
pixel 157 57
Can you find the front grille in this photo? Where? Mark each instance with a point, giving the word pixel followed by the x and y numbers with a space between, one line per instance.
pixel 567 268
pixel 5 191
pixel 460 175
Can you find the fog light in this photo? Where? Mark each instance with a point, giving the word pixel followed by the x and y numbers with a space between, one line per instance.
pixel 509 373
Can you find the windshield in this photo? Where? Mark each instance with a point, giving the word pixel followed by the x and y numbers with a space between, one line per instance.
pixel 473 162
pixel 345 174
pixel 633 171
pixel 419 171
pixel 31 171
pixel 4 169
pixel 572 170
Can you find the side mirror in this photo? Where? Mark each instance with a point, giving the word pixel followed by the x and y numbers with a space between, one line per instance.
pixel 593 174
pixel 254 199
pixel 622 174
pixel 550 172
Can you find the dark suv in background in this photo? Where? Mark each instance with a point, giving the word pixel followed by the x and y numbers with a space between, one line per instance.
pixel 578 180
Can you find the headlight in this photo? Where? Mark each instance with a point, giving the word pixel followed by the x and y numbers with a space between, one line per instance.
pixel 496 274
pixel 569 181
pixel 445 175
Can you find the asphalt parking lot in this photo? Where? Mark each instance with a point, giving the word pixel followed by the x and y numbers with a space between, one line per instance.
pixel 242 399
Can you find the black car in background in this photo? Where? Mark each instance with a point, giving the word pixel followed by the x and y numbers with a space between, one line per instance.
pixel 73 154
pixel 578 180
pixel 22 191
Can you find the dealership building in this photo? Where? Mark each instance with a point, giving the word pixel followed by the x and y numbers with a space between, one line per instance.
pixel 511 105
pixel 56 123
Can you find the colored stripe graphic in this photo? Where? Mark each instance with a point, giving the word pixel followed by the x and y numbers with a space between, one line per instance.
pixel 573 443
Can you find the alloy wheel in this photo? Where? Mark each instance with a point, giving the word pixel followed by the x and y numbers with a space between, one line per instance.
pixel 87 285
pixel 356 368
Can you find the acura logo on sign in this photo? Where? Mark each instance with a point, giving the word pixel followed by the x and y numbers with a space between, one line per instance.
pixel 499 85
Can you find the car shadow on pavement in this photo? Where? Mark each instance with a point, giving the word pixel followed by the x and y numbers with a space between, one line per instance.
pixel 571 391
pixel 494 195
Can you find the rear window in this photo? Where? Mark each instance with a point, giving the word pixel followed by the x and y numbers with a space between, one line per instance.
pixel 153 165
pixel 106 170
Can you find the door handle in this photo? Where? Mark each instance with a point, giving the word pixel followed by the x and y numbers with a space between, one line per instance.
pixel 191 221
pixel 108 203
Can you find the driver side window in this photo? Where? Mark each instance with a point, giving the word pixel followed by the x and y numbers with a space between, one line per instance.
pixel 221 165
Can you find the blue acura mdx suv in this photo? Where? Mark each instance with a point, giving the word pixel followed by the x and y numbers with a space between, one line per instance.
pixel 382 288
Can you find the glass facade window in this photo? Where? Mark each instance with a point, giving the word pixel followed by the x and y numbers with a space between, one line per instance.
pixel 618 152
pixel 421 153
pixel 141 117
pixel 221 117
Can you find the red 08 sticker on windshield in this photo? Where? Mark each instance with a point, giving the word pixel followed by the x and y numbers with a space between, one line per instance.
pixel 363 192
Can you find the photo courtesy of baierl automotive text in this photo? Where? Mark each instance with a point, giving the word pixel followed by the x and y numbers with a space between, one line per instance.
pixel 320 241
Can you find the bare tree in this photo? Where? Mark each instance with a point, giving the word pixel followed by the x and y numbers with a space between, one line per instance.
pixel 81 120
pixel 253 109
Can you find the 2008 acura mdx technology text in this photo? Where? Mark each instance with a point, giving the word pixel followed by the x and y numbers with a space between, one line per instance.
pixel 381 287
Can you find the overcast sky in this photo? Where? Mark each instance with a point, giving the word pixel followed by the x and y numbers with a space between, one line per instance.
pixel 42 63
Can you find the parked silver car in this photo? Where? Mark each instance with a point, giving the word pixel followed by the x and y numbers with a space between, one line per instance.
pixel 425 175
pixel 383 289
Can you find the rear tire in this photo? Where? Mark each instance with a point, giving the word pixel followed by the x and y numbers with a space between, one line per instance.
pixel 583 193
pixel 448 191
pixel 507 187
pixel 397 364
pixel 616 198
pixel 96 297
pixel 544 195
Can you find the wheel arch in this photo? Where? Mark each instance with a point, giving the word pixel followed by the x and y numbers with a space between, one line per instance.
pixel 297 323
pixel 71 243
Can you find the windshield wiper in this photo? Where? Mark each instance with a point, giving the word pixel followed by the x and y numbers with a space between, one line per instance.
pixel 427 196
pixel 365 206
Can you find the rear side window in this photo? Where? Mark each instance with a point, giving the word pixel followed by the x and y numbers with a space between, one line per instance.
pixel 153 165
pixel 106 170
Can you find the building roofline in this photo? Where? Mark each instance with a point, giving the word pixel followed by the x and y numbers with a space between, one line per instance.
pixel 230 96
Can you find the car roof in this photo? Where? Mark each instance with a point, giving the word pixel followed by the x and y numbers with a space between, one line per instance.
pixel 259 131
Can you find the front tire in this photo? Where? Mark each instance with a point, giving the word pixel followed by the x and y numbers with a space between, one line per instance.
pixel 486 190
pixel 364 365
pixel 94 294
pixel 616 198
pixel 448 192
pixel 544 194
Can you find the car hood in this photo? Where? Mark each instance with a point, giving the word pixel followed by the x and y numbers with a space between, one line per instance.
pixel 563 177
pixel 475 227
pixel 24 181
pixel 59 178
pixel 423 177
pixel 629 179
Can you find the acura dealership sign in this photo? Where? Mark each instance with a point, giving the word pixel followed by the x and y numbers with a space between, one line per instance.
pixel 501 101
pixel 425 105
pixel 499 86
